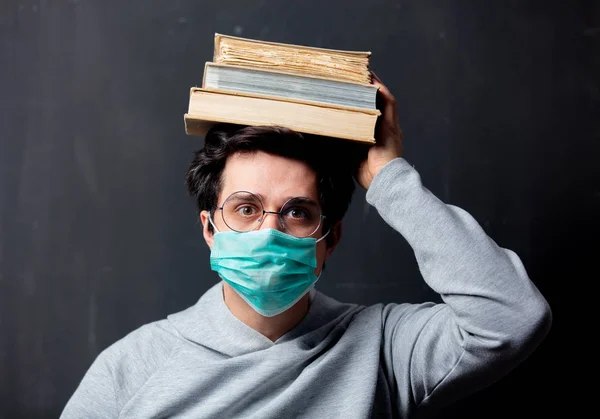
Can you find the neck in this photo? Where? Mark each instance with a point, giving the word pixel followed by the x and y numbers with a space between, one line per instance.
pixel 271 327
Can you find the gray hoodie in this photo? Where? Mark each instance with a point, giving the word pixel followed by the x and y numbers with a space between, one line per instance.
pixel 342 360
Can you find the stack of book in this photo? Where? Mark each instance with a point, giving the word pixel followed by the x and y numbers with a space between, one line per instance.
pixel 310 90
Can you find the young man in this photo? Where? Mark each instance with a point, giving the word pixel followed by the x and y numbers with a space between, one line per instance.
pixel 263 343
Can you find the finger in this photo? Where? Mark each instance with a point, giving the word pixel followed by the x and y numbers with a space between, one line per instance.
pixel 388 98
pixel 388 106
pixel 382 87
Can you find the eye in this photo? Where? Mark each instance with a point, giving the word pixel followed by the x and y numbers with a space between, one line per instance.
pixel 247 211
pixel 297 213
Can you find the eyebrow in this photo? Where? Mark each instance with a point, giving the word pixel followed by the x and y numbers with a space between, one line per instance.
pixel 287 198
pixel 261 196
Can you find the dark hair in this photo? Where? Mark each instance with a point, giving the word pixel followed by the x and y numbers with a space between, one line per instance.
pixel 326 156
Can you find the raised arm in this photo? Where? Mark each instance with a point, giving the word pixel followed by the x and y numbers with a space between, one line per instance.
pixel 492 315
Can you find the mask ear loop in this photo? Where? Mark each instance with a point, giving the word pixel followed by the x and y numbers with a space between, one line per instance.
pixel 318 240
pixel 213 224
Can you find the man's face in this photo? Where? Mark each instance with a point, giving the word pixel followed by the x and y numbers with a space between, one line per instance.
pixel 275 179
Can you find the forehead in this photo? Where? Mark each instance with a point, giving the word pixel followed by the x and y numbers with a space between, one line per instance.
pixel 275 178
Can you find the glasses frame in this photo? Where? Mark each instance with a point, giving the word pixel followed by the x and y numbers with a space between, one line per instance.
pixel 264 212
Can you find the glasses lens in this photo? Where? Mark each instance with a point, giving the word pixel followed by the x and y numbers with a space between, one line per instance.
pixel 242 211
pixel 301 217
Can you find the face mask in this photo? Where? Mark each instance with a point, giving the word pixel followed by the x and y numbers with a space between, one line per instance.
pixel 269 269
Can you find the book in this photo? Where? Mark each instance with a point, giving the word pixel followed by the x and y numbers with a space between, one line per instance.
pixel 351 66
pixel 310 90
pixel 288 85
pixel 208 107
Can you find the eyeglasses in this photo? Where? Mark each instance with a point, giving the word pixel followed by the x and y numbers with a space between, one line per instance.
pixel 243 211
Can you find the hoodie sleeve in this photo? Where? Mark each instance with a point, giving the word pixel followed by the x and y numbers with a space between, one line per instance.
pixel 491 318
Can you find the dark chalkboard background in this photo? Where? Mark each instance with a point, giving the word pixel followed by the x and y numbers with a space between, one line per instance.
pixel 498 100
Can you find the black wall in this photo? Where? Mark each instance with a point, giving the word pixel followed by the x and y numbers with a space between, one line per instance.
pixel 498 101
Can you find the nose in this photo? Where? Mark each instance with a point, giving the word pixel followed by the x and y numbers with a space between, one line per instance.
pixel 271 220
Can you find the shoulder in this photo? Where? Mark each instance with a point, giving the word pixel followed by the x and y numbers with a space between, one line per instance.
pixel 150 343
pixel 121 369
pixel 406 318
pixel 329 308
pixel 133 359
pixel 386 312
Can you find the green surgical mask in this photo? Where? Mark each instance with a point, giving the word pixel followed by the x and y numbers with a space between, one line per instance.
pixel 269 269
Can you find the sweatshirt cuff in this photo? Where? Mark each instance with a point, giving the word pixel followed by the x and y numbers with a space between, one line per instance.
pixel 394 172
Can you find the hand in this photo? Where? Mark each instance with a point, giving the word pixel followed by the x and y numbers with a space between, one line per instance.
pixel 388 137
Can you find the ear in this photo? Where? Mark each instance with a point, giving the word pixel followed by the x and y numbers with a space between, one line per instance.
pixel 336 233
pixel 208 236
